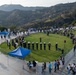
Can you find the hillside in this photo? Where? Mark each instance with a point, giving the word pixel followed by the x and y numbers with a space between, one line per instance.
pixel 58 15
pixel 11 7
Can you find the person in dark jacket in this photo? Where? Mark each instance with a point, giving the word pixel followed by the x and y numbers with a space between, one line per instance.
pixel 34 63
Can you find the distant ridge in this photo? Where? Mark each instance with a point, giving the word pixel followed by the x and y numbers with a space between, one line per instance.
pixel 37 17
pixel 10 7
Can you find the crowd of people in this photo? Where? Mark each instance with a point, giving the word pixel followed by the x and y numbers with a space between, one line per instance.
pixel 15 42
pixel 32 65
pixel 52 66
pixel 56 65
pixel 71 68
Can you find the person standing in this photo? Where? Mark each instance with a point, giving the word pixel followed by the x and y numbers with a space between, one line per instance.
pixel 74 49
pixel 50 67
pixel 40 39
pixel 56 45
pixel 29 65
pixel 34 63
pixel 62 52
pixel 43 67
pixel 49 45
pixel 58 64
pixel 55 65
pixel 63 60
pixel 69 68
pixel 9 45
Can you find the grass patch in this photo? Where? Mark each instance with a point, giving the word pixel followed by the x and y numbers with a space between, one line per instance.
pixel 44 55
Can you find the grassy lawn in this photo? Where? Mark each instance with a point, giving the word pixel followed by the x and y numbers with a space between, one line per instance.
pixel 44 55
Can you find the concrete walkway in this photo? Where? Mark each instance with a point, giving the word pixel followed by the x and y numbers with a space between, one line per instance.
pixel 14 66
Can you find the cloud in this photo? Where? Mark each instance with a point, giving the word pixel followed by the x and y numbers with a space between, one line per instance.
pixel 35 2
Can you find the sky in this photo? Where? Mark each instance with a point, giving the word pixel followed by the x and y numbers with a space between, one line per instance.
pixel 33 3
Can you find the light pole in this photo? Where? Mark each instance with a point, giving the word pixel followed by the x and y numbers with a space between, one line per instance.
pixel 64 46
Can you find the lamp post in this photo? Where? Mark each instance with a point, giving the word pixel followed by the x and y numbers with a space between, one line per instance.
pixel 64 46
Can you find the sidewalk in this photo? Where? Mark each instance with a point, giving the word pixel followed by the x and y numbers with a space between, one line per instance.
pixel 10 66
pixel 68 57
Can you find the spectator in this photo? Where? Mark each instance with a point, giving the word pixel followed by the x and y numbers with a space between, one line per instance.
pixel 29 65
pixel 50 67
pixel 34 63
pixel 74 49
pixel 63 61
pixel 69 68
pixel 73 68
pixel 43 66
pixel 58 64
pixel 55 66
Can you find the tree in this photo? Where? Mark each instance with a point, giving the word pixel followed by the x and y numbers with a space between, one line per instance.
pixel 2 28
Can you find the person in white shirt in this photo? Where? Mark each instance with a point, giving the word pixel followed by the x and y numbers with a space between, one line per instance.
pixel 69 68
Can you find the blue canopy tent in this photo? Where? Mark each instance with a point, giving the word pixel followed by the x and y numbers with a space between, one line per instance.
pixel 4 33
pixel 20 52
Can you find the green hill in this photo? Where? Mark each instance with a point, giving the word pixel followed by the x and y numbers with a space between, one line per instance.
pixel 58 15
